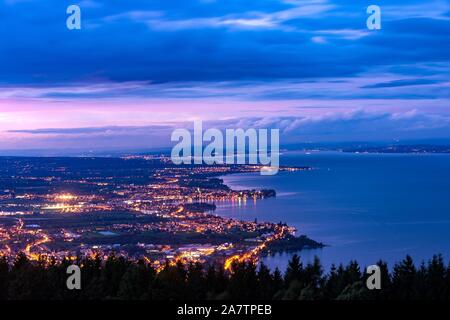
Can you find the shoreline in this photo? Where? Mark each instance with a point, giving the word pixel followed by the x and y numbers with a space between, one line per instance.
pixel 289 244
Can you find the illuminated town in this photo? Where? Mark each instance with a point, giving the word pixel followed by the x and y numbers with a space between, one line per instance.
pixel 141 207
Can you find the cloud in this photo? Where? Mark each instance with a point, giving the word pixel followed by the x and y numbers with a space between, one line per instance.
pixel 402 83
pixel 343 126
pixel 347 34
pixel 249 17
pixel 144 62
pixel 163 42
pixel 434 10
pixel 93 90
pixel 357 87
pixel 94 131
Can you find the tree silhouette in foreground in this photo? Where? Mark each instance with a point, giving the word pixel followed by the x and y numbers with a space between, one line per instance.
pixel 119 278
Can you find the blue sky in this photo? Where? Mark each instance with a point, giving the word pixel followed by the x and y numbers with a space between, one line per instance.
pixel 138 69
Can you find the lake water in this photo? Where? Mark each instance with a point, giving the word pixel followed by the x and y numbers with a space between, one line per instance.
pixel 364 206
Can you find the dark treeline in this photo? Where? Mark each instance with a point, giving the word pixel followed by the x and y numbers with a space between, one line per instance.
pixel 119 278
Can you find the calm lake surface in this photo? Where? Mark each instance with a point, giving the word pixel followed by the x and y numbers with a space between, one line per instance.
pixel 364 206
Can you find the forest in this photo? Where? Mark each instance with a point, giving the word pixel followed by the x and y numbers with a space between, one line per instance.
pixel 117 278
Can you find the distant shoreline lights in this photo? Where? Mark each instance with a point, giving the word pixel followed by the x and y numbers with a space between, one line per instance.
pixel 231 149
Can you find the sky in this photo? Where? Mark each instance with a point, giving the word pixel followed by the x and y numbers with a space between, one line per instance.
pixel 136 70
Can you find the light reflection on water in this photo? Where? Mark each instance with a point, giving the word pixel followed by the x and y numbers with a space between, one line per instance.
pixel 364 206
